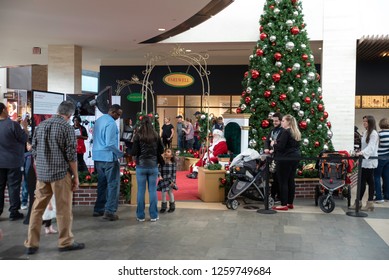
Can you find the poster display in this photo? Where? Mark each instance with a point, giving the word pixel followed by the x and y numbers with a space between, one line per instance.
pixel 44 105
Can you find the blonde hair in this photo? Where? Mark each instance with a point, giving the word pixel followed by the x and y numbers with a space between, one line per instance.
pixel 296 134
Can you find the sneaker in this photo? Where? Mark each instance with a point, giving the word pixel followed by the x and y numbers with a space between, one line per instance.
pixel 31 250
pixel 280 208
pixel 24 207
pixel 140 220
pixel 74 246
pixel 290 206
pixel 154 220
pixel 16 216
pixel 98 214
pixel 379 201
pixel 110 217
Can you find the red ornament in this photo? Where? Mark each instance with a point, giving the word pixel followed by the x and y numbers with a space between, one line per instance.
pixel 244 93
pixel 303 25
pixel 276 77
pixel 140 118
pixel 317 144
pixel 320 107
pixel 282 97
pixel 238 110
pixel 259 52
pixel 150 115
pixel 253 110
pixel 88 177
pixel 304 56
pixel 227 167
pixel 303 124
pixel 325 115
pixel 271 7
pixel 264 138
pixel 307 100
pixel 246 74
pixel 190 151
pixel 254 74
pixel 267 93
pixel 298 76
pixel 288 69
pixel 317 77
pixel 294 1
pixel 265 123
pixel 262 36
pixel 331 181
pixel 280 71
pixel 223 181
pixel 320 97
pixel 277 56
pixel 261 28
pixel 294 30
pixel 300 173
pixel 196 155
pixel 329 124
pixel 125 172
pixel 273 104
pixel 308 64
pixel 126 181
pixel 313 94
pixel 247 100
pixel 322 119
pixel 312 111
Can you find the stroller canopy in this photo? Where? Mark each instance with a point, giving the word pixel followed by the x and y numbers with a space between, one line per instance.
pixel 247 155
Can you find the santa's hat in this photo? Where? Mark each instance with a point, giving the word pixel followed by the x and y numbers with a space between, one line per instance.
pixel 218 132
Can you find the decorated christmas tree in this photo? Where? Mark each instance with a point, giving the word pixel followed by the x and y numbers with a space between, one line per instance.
pixel 282 78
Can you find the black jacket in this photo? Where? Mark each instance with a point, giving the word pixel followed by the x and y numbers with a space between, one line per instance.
pixel 286 145
pixel 147 155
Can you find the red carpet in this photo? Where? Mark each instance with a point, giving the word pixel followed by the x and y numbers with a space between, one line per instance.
pixel 187 188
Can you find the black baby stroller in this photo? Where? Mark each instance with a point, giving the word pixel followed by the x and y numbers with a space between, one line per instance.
pixel 333 170
pixel 248 171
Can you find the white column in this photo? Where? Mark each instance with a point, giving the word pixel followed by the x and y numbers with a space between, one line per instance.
pixel 339 69
pixel 3 82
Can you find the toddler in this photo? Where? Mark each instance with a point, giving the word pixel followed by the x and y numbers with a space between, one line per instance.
pixel 167 181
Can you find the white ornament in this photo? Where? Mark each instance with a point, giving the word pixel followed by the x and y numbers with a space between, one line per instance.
pixel 290 89
pixel 276 11
pixel 243 107
pixel 303 46
pixel 305 142
pixel 310 76
pixel 272 38
pixel 301 114
pixel 267 75
pixel 305 81
pixel 203 117
pixel 270 24
pixel 319 89
pixel 252 143
pixel 289 23
pixel 249 89
pixel 272 87
pixel 264 59
pixel 308 121
pixel 278 64
pixel 319 126
pixel 329 134
pixel 251 57
pixel 289 46
pixel 296 67
pixel 296 106
pixel 325 147
pixel 300 94
pixel 311 57
pixel 270 115
pixel 295 13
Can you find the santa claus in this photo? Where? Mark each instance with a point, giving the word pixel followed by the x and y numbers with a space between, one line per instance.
pixel 218 147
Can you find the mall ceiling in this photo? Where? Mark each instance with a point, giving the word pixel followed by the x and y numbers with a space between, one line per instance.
pixel 115 32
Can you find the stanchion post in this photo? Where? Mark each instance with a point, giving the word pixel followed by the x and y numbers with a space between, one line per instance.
pixel 266 191
pixel 357 213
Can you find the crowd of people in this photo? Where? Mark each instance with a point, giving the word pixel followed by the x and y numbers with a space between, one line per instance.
pixel 48 165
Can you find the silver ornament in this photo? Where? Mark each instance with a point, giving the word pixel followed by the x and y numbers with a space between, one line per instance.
pixel 301 113
pixel 289 46
pixel 178 152
pixel 305 142
pixel 310 76
pixel 286 38
pixel 276 11
pixel 319 126
pixel 254 131
pixel 278 1
pixel 252 143
pixel 257 101
pixel 249 89
pixel 264 59
pixel 270 115
pixel 303 46
pixel 325 147
pixel 272 87
pixel 289 23
pixel 311 57
pixel 329 134
pixel 278 63
pixel 251 57
pixel 296 67
pixel 296 106
pixel 270 24
pixel 305 81
pixel 300 94
pixel 290 89
pixel 306 89
pixel 264 47
pixel 203 117
pixel 308 121
pixel 243 107
pixel 295 13
pixel 267 75
pixel 319 89
pixel 272 38
pixel 314 101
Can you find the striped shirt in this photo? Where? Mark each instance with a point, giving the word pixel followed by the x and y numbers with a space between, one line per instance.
pixel 383 149
pixel 54 145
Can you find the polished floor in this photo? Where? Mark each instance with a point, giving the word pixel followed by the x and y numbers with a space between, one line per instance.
pixel 209 231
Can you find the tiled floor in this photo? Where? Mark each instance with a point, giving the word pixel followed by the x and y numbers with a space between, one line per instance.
pixel 209 231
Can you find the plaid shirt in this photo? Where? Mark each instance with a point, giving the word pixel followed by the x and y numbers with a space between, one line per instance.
pixel 53 147
pixel 168 173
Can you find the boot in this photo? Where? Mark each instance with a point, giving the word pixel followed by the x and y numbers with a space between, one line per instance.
pixel 172 207
pixel 369 206
pixel 353 207
pixel 193 175
pixel 163 207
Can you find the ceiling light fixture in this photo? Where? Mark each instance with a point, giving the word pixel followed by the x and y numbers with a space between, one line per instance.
pixel 161 29
pixel 188 50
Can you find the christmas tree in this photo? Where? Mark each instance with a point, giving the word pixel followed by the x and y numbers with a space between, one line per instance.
pixel 282 78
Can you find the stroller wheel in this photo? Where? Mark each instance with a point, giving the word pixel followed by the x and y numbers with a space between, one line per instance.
pixel 228 204
pixel 234 204
pixel 270 202
pixel 326 203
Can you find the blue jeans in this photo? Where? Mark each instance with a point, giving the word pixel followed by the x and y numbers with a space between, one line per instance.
pixel 24 191
pixel 382 170
pixel 108 187
pixel 149 175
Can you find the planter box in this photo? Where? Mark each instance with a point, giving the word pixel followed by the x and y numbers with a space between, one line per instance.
pixel 180 163
pixel 208 185
pixel 189 161
pixel 134 189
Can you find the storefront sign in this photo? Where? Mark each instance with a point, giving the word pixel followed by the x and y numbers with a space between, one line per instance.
pixel 9 95
pixel 134 97
pixel 178 80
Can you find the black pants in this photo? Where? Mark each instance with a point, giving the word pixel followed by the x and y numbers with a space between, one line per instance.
pixel 12 177
pixel 286 172
pixel 166 142
pixel 46 223
pixel 275 187
pixel 81 163
pixel 367 177
pixel 31 186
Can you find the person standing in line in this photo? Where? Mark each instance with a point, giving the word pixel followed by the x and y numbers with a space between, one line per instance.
pixel 127 138
pixel 13 140
pixel 180 133
pixel 287 145
pixel 189 134
pixel 54 151
pixel 196 133
pixel 167 133
pixel 268 149
pixel 369 148
pixel 81 135
pixel 106 154
pixel 382 170
pixel 147 149
pixel 167 181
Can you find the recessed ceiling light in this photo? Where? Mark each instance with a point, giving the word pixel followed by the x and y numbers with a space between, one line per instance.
pixel 161 29
pixel 188 50
pixel 319 49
